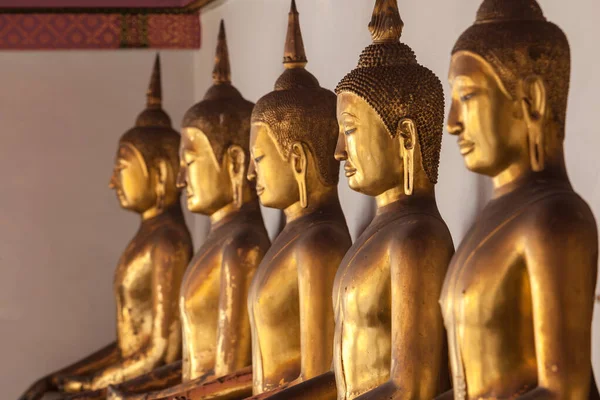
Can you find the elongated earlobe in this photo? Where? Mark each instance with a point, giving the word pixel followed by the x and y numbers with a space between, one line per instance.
pixel 161 185
pixel 407 134
pixel 534 109
pixel 303 194
pixel 237 172
pixel 299 163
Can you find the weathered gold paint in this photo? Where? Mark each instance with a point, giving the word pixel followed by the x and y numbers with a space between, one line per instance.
pixel 214 163
pixel 150 271
pixel 519 294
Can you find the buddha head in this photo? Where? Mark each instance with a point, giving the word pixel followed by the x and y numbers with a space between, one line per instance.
pixel 294 132
pixel 215 141
pixel 147 162
pixel 390 111
pixel 510 76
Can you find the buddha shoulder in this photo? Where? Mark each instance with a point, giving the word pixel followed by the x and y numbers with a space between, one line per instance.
pixel 171 241
pixel 247 242
pixel 560 220
pixel 323 240
pixel 421 232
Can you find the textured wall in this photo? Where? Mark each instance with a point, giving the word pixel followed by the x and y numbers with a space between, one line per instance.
pixel 61 229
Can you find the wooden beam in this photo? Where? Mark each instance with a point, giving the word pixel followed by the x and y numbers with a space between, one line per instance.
pixel 199 4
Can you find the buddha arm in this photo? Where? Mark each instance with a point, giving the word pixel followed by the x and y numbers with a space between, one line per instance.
pixel 169 262
pixel 418 263
pixel 161 378
pixel 561 257
pixel 233 347
pixel 93 362
pixel 317 265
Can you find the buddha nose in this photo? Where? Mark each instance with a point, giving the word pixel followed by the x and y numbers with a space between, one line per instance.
pixel 340 148
pixel 112 184
pixel 455 126
pixel 181 181
pixel 251 171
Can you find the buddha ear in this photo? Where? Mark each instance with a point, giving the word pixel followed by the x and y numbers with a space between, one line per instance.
pixel 534 111
pixel 162 173
pixel 236 167
pixel 407 134
pixel 299 160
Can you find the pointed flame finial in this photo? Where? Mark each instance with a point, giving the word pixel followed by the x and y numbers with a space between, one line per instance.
pixel 222 71
pixel 154 93
pixel 294 55
pixel 386 24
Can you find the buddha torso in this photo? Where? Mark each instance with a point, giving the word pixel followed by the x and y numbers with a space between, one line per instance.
pixel 274 299
pixel 487 296
pixel 206 278
pixel 363 295
pixel 134 277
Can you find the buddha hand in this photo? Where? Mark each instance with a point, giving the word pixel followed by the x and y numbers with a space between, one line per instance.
pixel 37 390
pixel 74 384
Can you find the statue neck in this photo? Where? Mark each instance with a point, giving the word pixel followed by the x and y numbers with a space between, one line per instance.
pixel 249 200
pixel 153 213
pixel 422 187
pixel 318 200
pixel 520 173
pixel 231 211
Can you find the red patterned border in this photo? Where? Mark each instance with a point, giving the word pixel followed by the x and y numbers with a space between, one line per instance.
pixel 94 3
pixel 99 31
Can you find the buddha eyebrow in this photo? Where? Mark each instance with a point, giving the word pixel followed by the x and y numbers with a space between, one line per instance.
pixel 349 114
pixel 462 80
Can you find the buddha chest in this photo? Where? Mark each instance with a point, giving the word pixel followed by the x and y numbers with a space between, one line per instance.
pixel 273 304
pixel 133 293
pixel 487 300
pixel 199 307
pixel 363 299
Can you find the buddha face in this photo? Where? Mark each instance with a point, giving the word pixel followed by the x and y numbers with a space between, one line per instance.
pixel 373 162
pixel 207 183
pixel 275 183
pixel 131 180
pixel 492 134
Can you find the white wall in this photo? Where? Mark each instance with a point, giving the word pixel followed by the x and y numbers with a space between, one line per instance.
pixel 61 229
pixel 61 114
pixel 335 32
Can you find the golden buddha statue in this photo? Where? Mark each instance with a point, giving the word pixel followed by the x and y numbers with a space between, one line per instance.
pixel 389 335
pixel 214 165
pixel 518 298
pixel 294 134
pixel 150 271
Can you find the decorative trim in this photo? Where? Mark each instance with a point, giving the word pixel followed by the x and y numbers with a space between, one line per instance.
pixel 99 31
pixel 95 10
pixel 94 3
